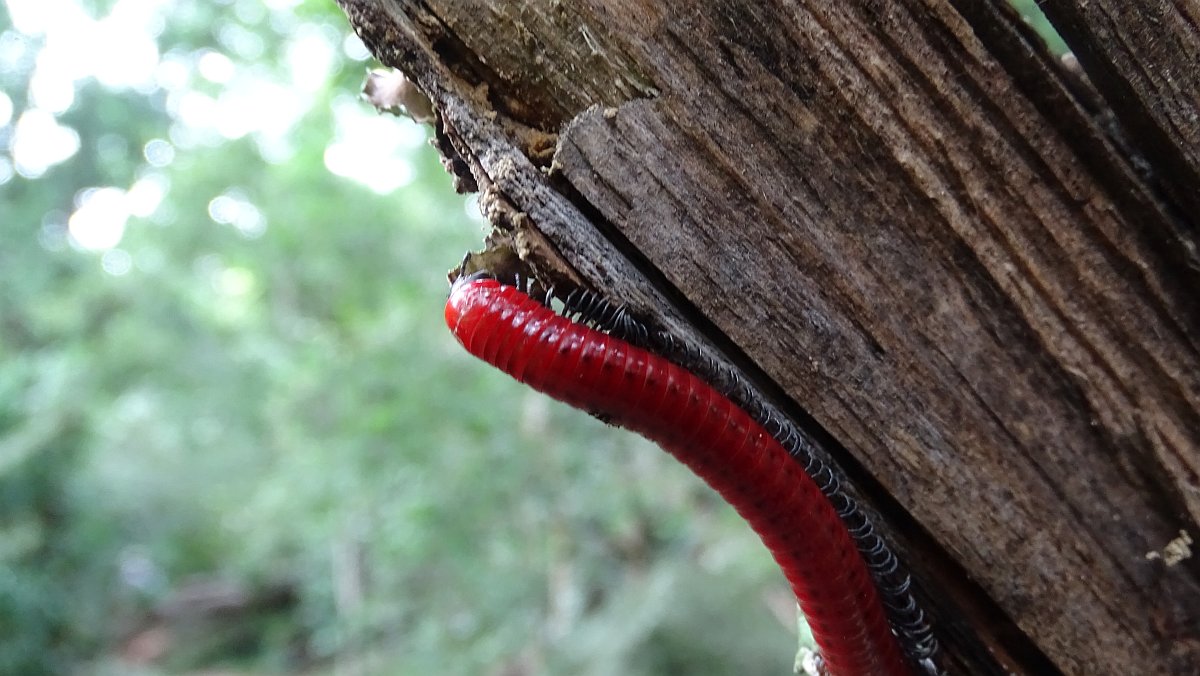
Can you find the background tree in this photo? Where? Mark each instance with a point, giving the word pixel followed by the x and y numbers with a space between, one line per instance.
pixel 967 268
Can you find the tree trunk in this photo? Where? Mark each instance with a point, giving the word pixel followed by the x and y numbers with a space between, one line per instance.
pixel 935 247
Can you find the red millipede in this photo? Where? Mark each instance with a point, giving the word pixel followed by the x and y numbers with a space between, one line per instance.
pixel 633 388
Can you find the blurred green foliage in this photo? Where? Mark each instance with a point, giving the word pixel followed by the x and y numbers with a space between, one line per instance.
pixel 252 445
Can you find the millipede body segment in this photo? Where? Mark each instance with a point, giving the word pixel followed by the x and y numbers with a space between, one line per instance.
pixel 644 392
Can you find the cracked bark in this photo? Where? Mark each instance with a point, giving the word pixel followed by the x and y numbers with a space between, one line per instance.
pixel 933 247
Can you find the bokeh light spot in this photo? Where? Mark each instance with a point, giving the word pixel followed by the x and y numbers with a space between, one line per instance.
pixel 159 153
pixel 40 142
pixel 99 221
pixel 116 262
pixel 233 208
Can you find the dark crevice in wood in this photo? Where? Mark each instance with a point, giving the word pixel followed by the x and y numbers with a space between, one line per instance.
pixel 452 160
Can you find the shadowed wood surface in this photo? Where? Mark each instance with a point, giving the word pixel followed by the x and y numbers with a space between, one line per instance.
pixel 906 219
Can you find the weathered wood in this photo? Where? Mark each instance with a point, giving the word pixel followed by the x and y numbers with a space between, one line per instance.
pixel 903 216
pixel 1144 57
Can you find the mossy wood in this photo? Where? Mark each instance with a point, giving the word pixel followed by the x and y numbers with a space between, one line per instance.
pixel 970 271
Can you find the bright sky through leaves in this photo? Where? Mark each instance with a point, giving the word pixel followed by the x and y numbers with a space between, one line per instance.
pixel 240 100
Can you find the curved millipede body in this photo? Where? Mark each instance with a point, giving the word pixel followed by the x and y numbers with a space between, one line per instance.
pixel 641 391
